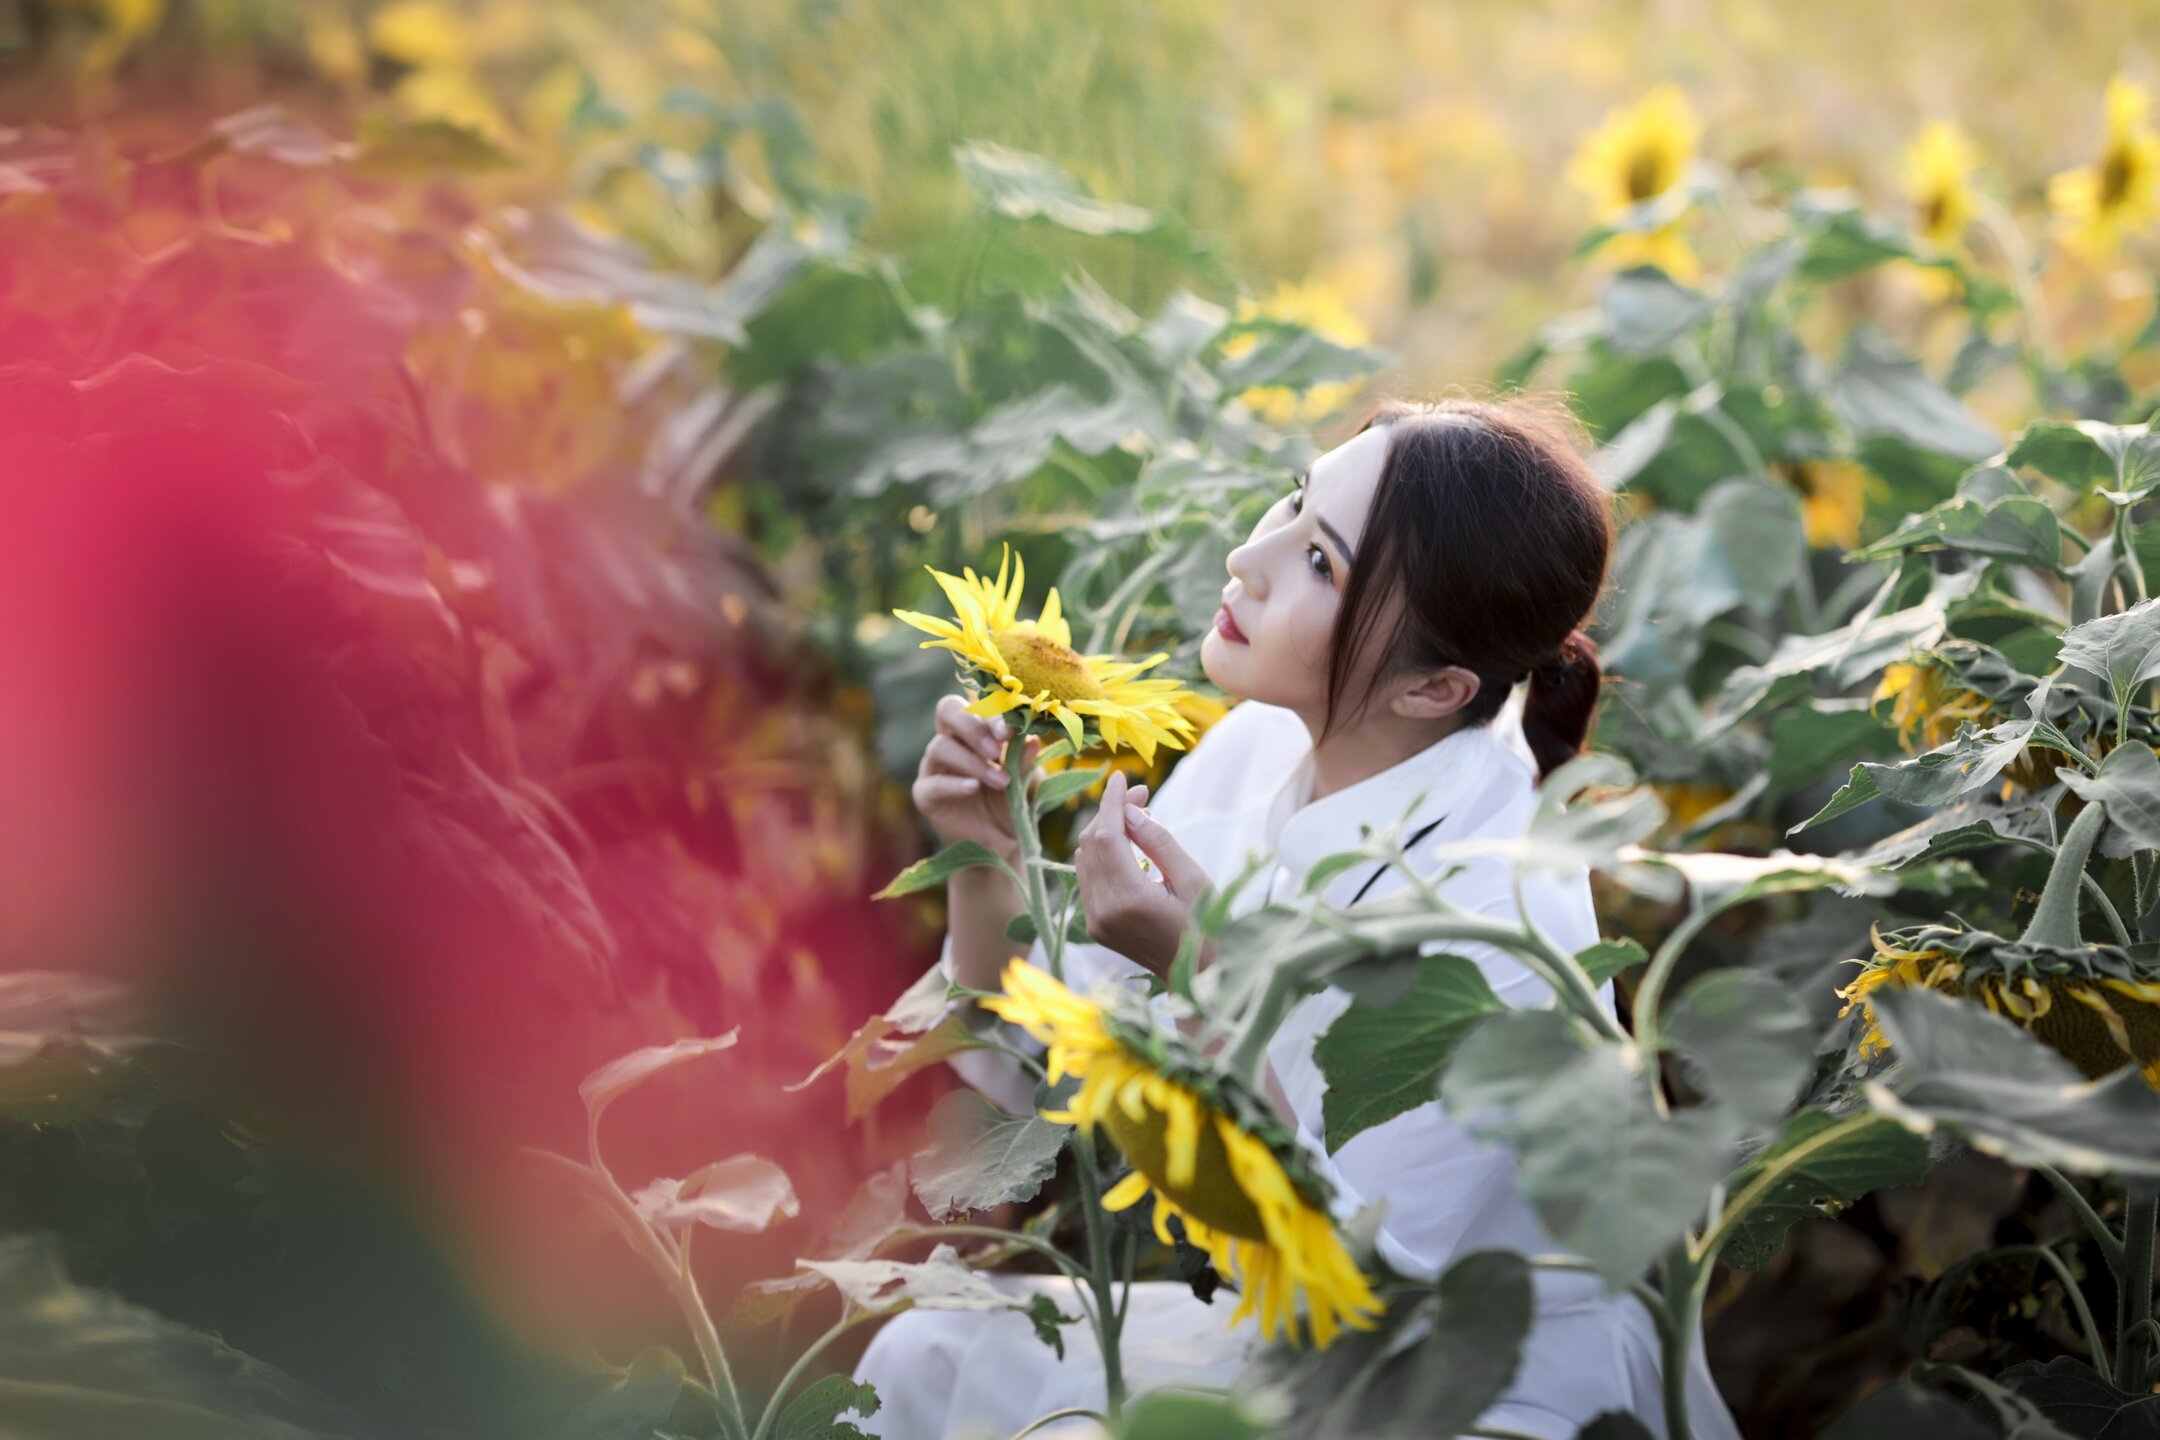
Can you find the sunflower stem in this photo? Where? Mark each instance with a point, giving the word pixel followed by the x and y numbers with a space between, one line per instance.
pixel 2055 922
pixel 2134 1301
pixel 1109 1316
pixel 1029 839
pixel 2110 1248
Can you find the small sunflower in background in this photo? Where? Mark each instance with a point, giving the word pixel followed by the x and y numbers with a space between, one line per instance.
pixel 1834 495
pixel 1210 1152
pixel 1031 665
pixel 1939 168
pixel 2098 205
pixel 1320 308
pixel 1926 704
pixel 1639 154
pixel 2091 1005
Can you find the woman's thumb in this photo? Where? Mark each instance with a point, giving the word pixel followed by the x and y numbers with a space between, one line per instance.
pixel 1184 875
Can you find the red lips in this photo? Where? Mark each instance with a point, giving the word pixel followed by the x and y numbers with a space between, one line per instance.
pixel 1226 626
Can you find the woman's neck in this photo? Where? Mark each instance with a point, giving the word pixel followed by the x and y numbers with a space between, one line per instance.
pixel 1379 744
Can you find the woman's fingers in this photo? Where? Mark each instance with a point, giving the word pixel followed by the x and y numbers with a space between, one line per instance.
pixel 974 731
pixel 948 756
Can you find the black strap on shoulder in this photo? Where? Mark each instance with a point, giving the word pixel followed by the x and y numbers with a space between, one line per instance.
pixel 1421 834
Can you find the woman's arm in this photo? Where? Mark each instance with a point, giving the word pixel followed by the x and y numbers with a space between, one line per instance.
pixel 979 903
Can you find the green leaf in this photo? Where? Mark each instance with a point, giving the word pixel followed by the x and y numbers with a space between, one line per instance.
pixel 1382 1384
pixel 1746 1039
pixel 941 1282
pixel 2017 528
pixel 1190 1415
pixel 1056 789
pixel 1957 767
pixel 1903 1411
pixel 1292 355
pixel 1026 186
pixel 2129 785
pixel 601 1088
pixel 1384 1061
pixel 1608 959
pixel 815 1414
pixel 1849 244
pixel 2123 649
pixel 1808 1172
pixel 920 1029
pixel 2087 453
pixel 1021 929
pixel 979 1156
pixel 1611 1178
pixel 1043 1314
pixel 937 869
pixel 1646 311
pixel 744 1193
pixel 2008 1095
pixel 82 1364
pixel 1879 390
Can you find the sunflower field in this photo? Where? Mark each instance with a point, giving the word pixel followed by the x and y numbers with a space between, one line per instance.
pixel 492 492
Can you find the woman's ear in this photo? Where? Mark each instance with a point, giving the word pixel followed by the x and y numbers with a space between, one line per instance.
pixel 1436 693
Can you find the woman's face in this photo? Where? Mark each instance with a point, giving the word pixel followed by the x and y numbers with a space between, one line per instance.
pixel 1287 581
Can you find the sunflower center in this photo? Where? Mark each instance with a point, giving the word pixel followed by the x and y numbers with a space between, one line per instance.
pixel 1041 664
pixel 1214 1197
pixel 2116 171
pixel 2082 1036
pixel 1647 173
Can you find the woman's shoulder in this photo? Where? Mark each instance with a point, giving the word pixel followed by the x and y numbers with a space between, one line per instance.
pixel 1250 739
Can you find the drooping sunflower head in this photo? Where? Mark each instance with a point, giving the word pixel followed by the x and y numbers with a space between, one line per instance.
pixel 1927 704
pixel 2092 1005
pixel 1031 665
pixel 2098 205
pixel 1213 1156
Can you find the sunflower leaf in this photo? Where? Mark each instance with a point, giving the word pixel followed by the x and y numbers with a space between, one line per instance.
pixel 937 869
pixel 815 1414
pixel 1812 1169
pixel 1961 765
pixel 1056 789
pixel 2007 1094
pixel 1384 1061
pixel 2123 649
pixel 1746 1040
pixel 979 1156
pixel 2129 785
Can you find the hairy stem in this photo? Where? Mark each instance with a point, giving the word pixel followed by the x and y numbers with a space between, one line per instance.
pixel 2055 922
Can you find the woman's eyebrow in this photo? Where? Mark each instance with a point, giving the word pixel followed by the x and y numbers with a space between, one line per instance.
pixel 1349 555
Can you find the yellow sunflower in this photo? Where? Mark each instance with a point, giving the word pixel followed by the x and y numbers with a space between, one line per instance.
pixel 1243 1196
pixel 1927 704
pixel 2086 1005
pixel 1031 664
pixel 1202 710
pixel 2097 205
pixel 1833 498
pixel 1638 154
pixel 1938 180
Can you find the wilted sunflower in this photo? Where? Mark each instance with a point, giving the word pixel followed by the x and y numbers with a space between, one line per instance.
pixel 1927 704
pixel 1211 1152
pixel 2098 204
pixel 1638 154
pixel 1031 664
pixel 2089 1004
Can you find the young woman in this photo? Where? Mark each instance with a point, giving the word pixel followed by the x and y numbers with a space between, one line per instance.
pixel 1376 623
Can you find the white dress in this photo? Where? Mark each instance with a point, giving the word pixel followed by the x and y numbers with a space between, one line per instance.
pixel 1244 788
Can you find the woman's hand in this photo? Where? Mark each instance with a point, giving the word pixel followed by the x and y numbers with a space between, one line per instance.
pixel 1127 911
pixel 960 785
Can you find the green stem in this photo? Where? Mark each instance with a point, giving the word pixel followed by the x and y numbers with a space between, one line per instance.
pixel 2055 922
pixel 2110 1248
pixel 1108 1316
pixel 2134 1301
pixel 845 1323
pixel 1029 839
pixel 681 1285
pixel 1070 1412
pixel 1686 1281
pixel 1041 1247
pixel 1660 970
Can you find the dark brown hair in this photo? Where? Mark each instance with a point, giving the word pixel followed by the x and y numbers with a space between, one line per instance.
pixel 1490 524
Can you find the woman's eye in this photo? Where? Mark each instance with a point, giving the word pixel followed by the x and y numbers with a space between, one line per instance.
pixel 1297 501
pixel 1325 568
